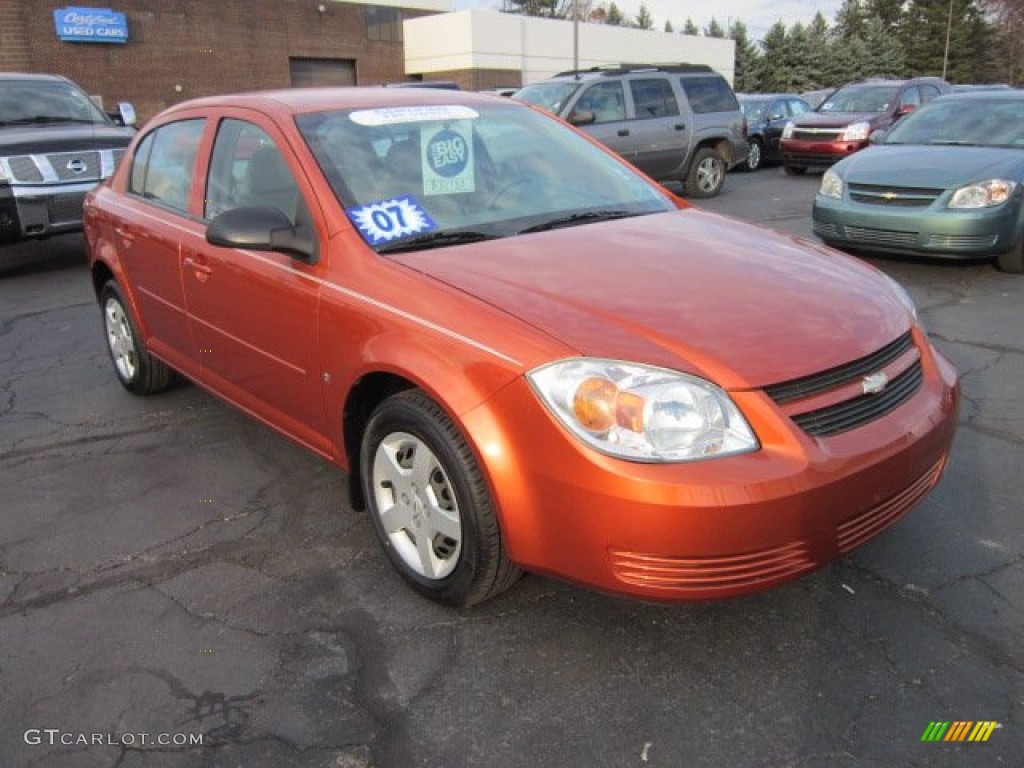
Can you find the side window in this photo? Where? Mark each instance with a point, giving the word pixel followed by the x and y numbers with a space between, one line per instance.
pixel 165 175
pixel 140 162
pixel 778 110
pixel 247 169
pixel 653 98
pixel 605 101
pixel 911 97
pixel 709 94
pixel 798 107
pixel 928 92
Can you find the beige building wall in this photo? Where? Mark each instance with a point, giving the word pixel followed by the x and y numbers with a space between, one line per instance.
pixel 539 48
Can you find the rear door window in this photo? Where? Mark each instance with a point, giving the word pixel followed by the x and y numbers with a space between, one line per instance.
pixel 653 98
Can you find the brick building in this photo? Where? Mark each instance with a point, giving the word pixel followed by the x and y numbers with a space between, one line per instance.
pixel 181 49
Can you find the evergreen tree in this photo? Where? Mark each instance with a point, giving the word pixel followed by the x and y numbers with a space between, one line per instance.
pixel 552 9
pixel 773 67
pixel 689 28
pixel 643 18
pixel 888 12
pixel 819 44
pixel 714 29
pixel 850 19
pixel 923 34
pixel 668 26
pixel 615 17
pixel 746 65
pixel 887 58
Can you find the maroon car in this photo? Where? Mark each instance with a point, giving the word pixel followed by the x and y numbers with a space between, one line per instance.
pixel 845 121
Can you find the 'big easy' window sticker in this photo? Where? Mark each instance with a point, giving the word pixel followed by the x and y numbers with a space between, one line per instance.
pixel 386 220
pixel 448 158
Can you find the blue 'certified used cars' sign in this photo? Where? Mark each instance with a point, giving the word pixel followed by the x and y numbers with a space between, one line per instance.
pixel 91 25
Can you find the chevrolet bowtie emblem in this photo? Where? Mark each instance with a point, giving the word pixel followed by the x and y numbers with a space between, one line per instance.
pixel 875 383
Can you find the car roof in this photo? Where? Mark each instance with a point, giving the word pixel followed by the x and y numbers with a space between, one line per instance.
pixel 13 76
pixel 1007 94
pixel 304 100
pixel 766 96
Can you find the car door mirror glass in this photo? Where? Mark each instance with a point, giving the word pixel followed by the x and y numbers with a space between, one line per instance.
pixel 126 112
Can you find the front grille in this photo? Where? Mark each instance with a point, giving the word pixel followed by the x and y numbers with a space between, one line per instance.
pixel 881 236
pixel 88 162
pixel 24 168
pixel 841 374
pixel 825 230
pixel 65 208
pixel 962 242
pixel 842 417
pixel 859 529
pixel 818 134
pixel 905 197
pixel 709 574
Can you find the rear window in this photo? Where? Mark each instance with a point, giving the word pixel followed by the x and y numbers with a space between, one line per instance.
pixel 709 94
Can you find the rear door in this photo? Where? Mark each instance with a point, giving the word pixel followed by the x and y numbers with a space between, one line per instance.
pixel 254 314
pixel 659 130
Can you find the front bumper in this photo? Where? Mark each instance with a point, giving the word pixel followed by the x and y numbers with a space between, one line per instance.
pixel 716 528
pixel 917 231
pixel 804 152
pixel 35 211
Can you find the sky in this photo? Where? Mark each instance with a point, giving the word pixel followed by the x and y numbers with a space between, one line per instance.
pixel 758 15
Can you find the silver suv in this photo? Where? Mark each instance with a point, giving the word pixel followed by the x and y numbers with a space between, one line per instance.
pixel 674 122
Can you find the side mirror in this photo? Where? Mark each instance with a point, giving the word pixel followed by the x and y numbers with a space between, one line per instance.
pixel 905 110
pixel 261 228
pixel 878 137
pixel 775 116
pixel 582 117
pixel 127 114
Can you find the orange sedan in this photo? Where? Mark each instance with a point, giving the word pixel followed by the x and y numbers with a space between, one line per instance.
pixel 527 355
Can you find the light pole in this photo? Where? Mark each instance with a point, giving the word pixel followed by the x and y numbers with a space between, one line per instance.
pixel 949 31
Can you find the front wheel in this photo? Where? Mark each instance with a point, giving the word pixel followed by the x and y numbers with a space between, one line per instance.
pixel 1012 261
pixel 754 156
pixel 706 175
pixel 137 370
pixel 429 503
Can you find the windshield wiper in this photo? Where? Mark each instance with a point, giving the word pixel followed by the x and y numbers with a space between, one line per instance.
pixel 47 119
pixel 575 219
pixel 437 240
pixel 953 143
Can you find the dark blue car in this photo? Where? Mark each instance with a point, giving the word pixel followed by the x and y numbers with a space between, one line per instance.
pixel 766 115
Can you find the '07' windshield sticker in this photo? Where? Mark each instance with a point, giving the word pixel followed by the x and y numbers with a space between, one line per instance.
pixel 386 220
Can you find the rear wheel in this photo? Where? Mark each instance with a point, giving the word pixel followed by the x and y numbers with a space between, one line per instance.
pixel 1012 261
pixel 754 156
pixel 429 503
pixel 706 175
pixel 795 170
pixel 137 370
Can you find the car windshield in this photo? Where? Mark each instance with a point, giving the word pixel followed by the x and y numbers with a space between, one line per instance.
pixel 24 102
pixel 860 98
pixel 978 122
pixel 754 110
pixel 550 96
pixel 411 177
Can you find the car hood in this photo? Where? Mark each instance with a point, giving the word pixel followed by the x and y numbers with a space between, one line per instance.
pixel 61 137
pixel 931 166
pixel 835 119
pixel 688 290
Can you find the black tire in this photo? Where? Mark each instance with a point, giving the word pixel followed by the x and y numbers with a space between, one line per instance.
pixel 755 155
pixel 137 370
pixel 706 174
pixel 795 170
pixel 430 505
pixel 1012 261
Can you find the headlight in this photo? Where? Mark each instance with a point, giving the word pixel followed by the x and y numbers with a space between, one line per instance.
pixel 983 194
pixel 857 132
pixel 642 413
pixel 831 185
pixel 787 132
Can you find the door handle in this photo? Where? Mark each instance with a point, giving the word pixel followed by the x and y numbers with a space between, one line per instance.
pixel 623 132
pixel 200 269
pixel 680 126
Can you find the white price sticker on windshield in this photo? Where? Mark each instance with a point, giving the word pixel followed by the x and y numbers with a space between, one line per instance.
pixel 384 221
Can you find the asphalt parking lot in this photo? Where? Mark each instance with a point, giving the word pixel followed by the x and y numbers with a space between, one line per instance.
pixel 172 570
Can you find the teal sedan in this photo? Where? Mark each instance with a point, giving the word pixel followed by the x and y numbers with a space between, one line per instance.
pixel 946 181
